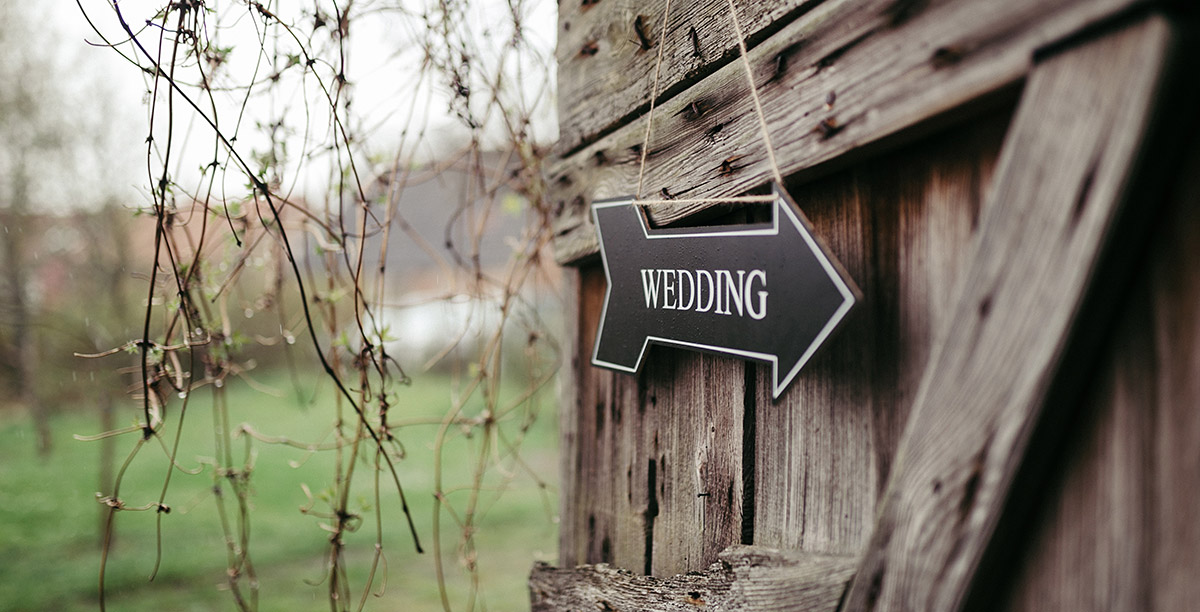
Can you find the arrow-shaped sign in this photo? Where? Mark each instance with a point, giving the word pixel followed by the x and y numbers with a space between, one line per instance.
pixel 768 291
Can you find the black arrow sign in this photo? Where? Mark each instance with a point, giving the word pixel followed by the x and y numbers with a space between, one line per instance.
pixel 768 292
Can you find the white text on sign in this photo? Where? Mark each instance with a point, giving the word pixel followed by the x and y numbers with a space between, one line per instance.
pixel 723 292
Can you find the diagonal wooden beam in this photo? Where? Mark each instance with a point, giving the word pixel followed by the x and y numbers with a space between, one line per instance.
pixel 1062 189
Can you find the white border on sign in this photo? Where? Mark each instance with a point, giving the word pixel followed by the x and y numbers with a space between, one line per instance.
pixel 782 203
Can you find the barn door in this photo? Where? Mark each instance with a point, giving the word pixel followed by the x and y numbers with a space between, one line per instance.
pixel 1008 420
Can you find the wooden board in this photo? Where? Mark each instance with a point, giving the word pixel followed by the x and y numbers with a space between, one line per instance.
pixel 1176 295
pixel 1093 549
pixel 747 578
pixel 655 483
pixel 570 540
pixel 978 332
pixel 608 49
pixel 1058 193
pixel 693 405
pixel 1119 531
pixel 901 224
pixel 845 76
pixel 595 502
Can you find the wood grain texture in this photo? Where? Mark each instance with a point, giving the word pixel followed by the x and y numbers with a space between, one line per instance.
pixel 693 405
pixel 569 453
pixel 848 76
pixel 1092 550
pixel 607 50
pixel 655 483
pixel 1120 531
pixel 901 225
pixel 1059 185
pixel 1176 459
pixel 596 515
pixel 746 579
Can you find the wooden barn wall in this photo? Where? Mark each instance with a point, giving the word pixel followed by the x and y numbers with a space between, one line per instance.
pixel 656 482
pixel 838 77
pixel 901 224
pixel 665 470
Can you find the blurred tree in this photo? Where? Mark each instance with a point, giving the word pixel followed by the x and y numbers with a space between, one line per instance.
pixel 54 153
pixel 27 135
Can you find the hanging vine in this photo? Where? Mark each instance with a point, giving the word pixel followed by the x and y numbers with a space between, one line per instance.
pixel 257 157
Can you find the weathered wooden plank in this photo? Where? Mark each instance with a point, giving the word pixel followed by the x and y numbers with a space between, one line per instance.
pixel 593 512
pixel 749 579
pixel 900 224
pixel 1092 548
pixel 1176 530
pixel 636 504
pixel 569 452
pixel 1117 528
pixel 1060 183
pixel 592 475
pixel 846 76
pixel 654 484
pixel 607 53
pixel 693 405
pixel 769 580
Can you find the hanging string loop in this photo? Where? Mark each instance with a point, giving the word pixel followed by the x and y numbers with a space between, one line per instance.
pixel 762 119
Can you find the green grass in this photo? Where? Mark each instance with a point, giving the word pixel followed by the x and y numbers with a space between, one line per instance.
pixel 50 521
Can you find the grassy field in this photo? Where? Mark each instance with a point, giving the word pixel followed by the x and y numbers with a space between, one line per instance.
pixel 50 521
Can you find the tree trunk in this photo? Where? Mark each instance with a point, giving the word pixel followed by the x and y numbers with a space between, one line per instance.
pixel 24 341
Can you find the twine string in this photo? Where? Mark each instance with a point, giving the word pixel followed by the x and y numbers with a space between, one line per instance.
pixel 762 119
pixel 662 44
